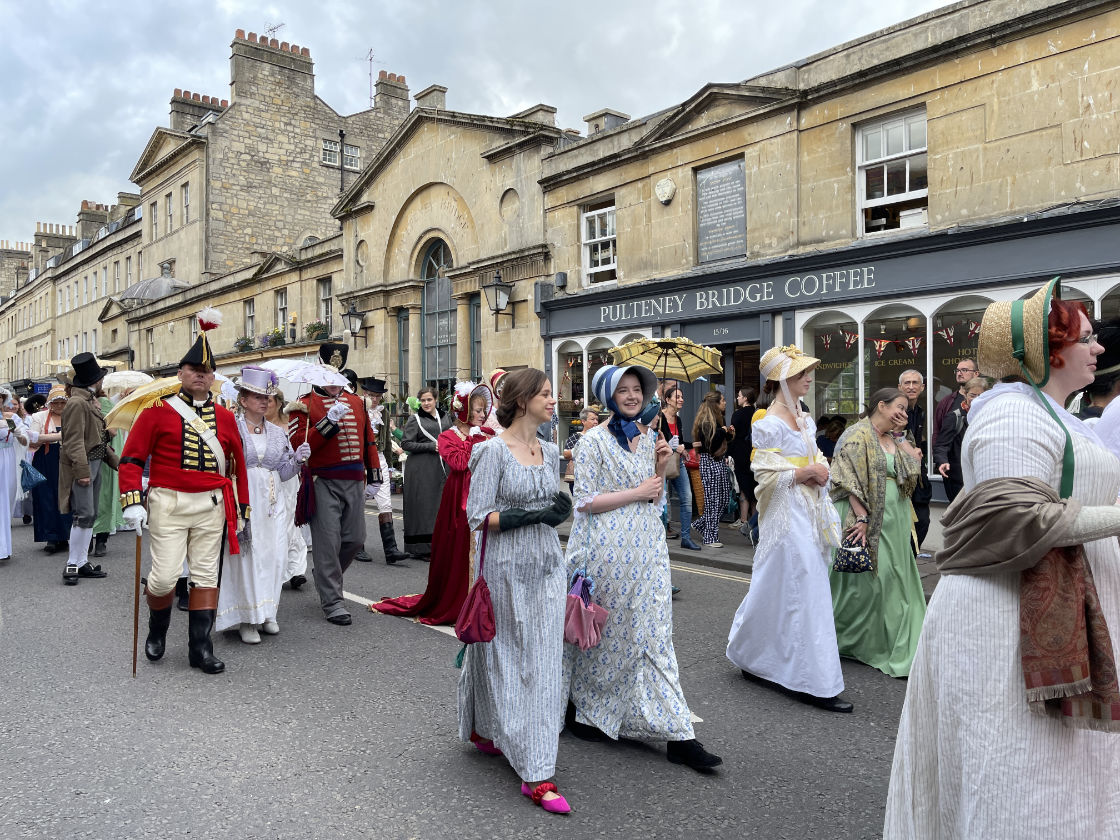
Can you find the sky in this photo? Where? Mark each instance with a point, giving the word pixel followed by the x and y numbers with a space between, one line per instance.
pixel 83 85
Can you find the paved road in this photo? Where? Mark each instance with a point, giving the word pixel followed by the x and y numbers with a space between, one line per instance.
pixel 328 731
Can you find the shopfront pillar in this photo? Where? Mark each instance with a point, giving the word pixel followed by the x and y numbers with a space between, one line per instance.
pixel 415 350
pixel 463 337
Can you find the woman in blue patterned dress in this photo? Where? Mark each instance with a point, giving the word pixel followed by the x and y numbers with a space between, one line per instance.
pixel 511 690
pixel 628 686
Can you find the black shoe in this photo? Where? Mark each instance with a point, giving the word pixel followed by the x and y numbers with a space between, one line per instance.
pixel 829 704
pixel 182 595
pixel 91 571
pixel 200 647
pixel 70 575
pixel 50 548
pixel 676 590
pixel 297 581
pixel 27 519
pixel 389 544
pixel 342 619
pixel 156 643
pixel 100 545
pixel 691 754
pixel 670 534
pixel 363 557
pixel 583 731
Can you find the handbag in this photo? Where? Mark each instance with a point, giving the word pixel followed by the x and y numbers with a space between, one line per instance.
pixel 673 468
pixel 583 619
pixel 476 619
pixel 691 459
pixel 29 477
pixel 852 556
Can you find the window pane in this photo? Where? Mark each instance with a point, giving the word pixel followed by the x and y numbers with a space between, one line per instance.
pixel 918 177
pixel 895 138
pixel 592 228
pixel 873 144
pixel 873 187
pixel 608 223
pixel 917 129
pixel 896 177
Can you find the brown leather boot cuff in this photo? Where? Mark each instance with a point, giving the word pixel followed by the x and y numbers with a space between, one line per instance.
pixel 384 517
pixel 203 598
pixel 159 602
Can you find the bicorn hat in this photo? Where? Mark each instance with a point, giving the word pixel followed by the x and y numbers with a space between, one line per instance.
pixel 1014 336
pixel 373 385
pixel 257 380
pixel 85 371
pixel 200 353
pixel 334 354
pixel 779 363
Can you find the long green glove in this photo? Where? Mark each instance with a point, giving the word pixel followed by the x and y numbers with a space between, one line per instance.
pixel 552 516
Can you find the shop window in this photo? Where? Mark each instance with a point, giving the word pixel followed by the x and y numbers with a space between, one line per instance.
pixel 440 337
pixel 893 187
pixel 955 336
pixel 894 340
pixel 1110 305
pixel 598 236
pixel 569 390
pixel 834 340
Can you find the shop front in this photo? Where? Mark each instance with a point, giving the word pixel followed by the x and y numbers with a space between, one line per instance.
pixel 869 311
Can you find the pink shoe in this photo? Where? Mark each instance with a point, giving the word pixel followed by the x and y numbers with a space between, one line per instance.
pixel 559 805
pixel 484 745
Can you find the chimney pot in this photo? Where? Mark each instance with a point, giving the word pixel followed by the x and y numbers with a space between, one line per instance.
pixel 304 51
pixel 225 103
pixel 240 34
pixel 274 43
pixel 400 79
pixel 382 74
pixel 197 97
pixel 392 77
pixel 252 37
pixel 186 94
pixel 178 91
pixel 85 204
pixel 295 49
pixel 284 45
pixel 205 99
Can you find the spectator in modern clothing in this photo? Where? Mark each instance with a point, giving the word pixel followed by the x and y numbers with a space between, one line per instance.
pixel 671 429
pixel 589 419
pixel 947 452
pixel 740 452
pixel 966 370
pixel 912 385
pixel 1106 382
pixel 711 436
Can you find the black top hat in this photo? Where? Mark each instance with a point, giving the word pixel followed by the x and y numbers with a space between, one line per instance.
pixel 351 377
pixel 334 354
pixel 373 385
pixel 87 371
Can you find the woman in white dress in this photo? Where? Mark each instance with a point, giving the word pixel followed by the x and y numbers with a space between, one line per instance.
pixel 987 745
pixel 295 571
pixel 783 631
pixel 249 595
pixel 13 435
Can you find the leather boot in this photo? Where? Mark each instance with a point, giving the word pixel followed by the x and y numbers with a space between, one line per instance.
pixel 101 544
pixel 159 619
pixel 182 593
pixel 203 606
pixel 389 540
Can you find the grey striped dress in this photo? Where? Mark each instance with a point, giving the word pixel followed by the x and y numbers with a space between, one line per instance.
pixel 970 760
pixel 511 689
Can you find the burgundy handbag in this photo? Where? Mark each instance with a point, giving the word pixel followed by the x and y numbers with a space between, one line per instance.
pixel 476 619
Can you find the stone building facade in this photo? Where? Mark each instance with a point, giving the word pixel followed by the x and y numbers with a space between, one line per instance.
pixel 865 202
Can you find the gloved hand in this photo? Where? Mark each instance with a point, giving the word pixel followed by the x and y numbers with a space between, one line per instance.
pixel 372 490
pixel 552 516
pixel 337 411
pixel 303 452
pixel 135 517
pixel 244 531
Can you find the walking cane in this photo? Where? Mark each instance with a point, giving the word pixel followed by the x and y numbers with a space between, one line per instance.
pixel 136 607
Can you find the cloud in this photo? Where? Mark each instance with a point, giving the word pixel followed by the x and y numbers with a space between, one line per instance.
pixel 83 85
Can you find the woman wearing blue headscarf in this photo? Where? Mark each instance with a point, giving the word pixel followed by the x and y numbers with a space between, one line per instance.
pixel 628 686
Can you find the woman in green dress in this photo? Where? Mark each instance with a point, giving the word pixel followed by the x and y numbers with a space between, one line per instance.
pixel 878 614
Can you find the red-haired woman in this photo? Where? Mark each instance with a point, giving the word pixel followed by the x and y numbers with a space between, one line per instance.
pixel 449 574
pixel 1012 708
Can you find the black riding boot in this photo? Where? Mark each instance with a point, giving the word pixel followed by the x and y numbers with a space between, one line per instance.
pixel 182 592
pixel 203 606
pixel 159 619
pixel 389 540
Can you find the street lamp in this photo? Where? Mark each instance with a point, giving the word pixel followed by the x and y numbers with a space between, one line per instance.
pixel 353 319
pixel 497 297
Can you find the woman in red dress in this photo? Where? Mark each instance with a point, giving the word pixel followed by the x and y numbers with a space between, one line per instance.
pixel 449 573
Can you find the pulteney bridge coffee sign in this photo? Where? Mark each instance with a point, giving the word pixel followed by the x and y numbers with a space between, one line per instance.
pixel 740 297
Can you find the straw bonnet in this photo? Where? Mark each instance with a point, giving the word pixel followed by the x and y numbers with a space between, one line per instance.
pixel 57 392
pixel 1014 331
pixel 780 363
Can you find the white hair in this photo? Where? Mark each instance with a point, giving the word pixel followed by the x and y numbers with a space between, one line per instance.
pixel 911 370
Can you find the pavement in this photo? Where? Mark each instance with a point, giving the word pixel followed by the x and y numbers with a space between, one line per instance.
pixel 327 732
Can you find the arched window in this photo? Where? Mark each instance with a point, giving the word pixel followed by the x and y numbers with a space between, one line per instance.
pixel 438 318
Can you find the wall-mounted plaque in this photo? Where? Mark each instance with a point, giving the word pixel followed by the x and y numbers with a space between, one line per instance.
pixel 721 211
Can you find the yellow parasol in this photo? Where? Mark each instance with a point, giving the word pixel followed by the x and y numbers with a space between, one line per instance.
pixel 669 358
pixel 124 413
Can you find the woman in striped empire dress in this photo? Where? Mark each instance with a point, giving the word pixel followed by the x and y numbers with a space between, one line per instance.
pixel 989 744
pixel 511 690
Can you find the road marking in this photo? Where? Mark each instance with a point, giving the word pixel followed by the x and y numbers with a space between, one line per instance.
pixel 743 578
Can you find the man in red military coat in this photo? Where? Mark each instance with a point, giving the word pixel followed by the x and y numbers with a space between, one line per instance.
pixel 195 448
pixel 344 467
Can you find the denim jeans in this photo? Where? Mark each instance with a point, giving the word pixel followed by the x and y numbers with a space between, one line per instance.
pixel 684 495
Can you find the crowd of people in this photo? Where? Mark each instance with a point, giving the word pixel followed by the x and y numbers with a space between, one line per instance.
pixel 1012 691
